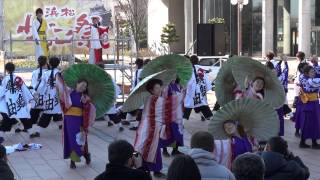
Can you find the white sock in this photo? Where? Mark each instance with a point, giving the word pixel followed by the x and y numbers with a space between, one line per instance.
pixel 129 117
pixel 58 123
pixel 119 125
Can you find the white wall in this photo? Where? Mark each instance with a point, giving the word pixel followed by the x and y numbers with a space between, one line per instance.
pixel 158 17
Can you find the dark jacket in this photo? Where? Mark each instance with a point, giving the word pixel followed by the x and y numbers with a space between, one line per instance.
pixel 116 172
pixel 280 168
pixel 5 171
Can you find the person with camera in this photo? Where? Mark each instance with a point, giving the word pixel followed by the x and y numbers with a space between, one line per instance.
pixel 124 163
pixel 5 171
pixel 282 164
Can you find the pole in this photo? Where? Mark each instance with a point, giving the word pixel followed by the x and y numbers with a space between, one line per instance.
pixel 72 51
pixel 123 71
pixel 239 30
pixel 118 51
pixel 11 58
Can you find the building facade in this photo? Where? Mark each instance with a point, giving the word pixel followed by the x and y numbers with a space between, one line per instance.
pixel 283 26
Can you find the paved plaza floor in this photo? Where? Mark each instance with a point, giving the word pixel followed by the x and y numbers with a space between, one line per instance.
pixel 48 163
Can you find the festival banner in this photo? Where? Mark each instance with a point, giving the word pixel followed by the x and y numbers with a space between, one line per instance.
pixel 66 19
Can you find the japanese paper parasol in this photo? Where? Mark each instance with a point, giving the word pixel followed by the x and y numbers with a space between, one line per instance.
pixel 259 119
pixel 100 85
pixel 180 64
pixel 245 69
pixel 225 83
pixel 139 94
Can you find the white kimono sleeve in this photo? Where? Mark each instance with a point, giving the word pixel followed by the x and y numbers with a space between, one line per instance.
pixel 35 26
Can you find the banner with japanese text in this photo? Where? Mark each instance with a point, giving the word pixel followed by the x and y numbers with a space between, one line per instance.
pixel 66 19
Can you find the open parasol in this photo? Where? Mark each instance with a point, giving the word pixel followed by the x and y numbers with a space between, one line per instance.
pixel 139 94
pixel 100 85
pixel 245 69
pixel 225 83
pixel 180 64
pixel 258 119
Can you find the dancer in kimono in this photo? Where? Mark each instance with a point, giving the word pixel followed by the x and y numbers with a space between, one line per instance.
pixel 149 130
pixel 254 90
pixel 52 109
pixel 298 102
pixel 96 45
pixel 238 143
pixel 283 78
pixel 78 114
pixel 16 96
pixel 309 120
pixel 314 61
pixel 38 89
pixel 300 56
pixel 173 118
pixel 39 30
pixel 196 94
pixel 112 115
pixel 136 114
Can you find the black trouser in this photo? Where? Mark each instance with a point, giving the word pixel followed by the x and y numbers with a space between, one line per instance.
pixel 137 113
pixel 216 106
pixel 35 113
pixel 114 118
pixel 45 119
pixel 7 123
pixel 205 110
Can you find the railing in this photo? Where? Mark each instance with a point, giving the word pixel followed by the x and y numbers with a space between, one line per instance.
pixel 116 53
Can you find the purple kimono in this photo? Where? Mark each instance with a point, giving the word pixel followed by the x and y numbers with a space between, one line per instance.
pixel 240 145
pixel 308 109
pixel 283 78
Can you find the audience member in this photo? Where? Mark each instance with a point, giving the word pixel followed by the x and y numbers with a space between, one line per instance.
pixel 5 171
pixel 124 164
pixel 183 167
pixel 202 144
pixel 248 166
pixel 280 163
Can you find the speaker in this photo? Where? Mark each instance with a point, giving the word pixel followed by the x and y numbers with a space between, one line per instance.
pixel 210 40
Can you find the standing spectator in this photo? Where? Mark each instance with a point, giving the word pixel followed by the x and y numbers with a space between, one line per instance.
pixel 280 163
pixel 183 167
pixel 122 163
pixel 5 171
pixel 202 144
pixel 248 166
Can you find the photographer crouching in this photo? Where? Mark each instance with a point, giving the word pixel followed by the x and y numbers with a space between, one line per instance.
pixel 124 163
pixel 282 164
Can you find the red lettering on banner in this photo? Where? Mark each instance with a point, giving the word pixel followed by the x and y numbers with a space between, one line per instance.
pixel 54 12
pixel 57 30
pixel 26 27
pixel 67 12
pixel 80 22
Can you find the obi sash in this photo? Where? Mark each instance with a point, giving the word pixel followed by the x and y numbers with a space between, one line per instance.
pixel 74 111
pixel 307 97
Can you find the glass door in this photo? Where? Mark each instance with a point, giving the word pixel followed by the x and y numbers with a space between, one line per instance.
pixel 315 41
